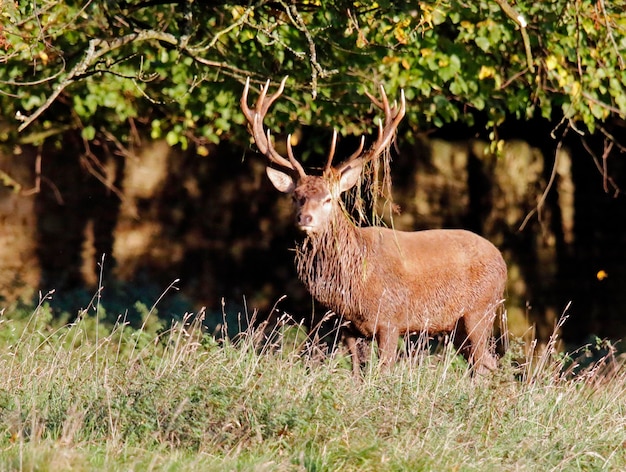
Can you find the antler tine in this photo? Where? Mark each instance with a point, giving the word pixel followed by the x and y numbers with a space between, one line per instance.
pixel 393 116
pixel 358 152
pixel 382 104
pixel 296 165
pixel 263 104
pixel 255 121
pixel 355 155
pixel 331 153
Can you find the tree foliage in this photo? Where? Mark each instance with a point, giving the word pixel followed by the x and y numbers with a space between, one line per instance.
pixel 175 68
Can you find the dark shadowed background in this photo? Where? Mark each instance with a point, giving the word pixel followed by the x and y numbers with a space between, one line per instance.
pixel 215 223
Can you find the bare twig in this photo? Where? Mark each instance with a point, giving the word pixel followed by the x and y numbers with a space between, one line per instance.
pixel 316 68
pixel 602 167
pixel 601 104
pixel 35 82
pixel 521 22
pixel 39 178
pixel 236 24
pixel 605 132
pixel 620 59
pixel 608 146
pixel 37 187
pixel 513 78
pixel 39 136
pixel 578 58
pixel 539 207
pixel 97 170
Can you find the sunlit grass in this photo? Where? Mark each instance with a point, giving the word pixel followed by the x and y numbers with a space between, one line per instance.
pixel 175 398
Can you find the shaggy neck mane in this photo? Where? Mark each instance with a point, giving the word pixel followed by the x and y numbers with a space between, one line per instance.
pixel 331 263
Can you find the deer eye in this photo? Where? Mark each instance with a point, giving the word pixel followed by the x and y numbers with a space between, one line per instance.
pixel 299 199
pixel 327 200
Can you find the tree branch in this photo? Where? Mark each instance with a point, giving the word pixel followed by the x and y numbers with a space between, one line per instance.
pixel 100 47
pixel 96 49
pixel 296 19
pixel 609 31
pixel 521 22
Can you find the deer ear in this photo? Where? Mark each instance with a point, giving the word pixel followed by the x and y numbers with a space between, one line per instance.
pixel 350 174
pixel 281 180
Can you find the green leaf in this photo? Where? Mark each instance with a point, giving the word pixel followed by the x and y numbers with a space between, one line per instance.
pixel 155 129
pixel 483 43
pixel 88 133
pixel 172 138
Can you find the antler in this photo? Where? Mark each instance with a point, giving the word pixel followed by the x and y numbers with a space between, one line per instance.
pixel 255 124
pixel 386 131
pixel 393 116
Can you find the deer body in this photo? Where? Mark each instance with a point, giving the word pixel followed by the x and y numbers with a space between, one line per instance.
pixel 407 282
pixel 386 283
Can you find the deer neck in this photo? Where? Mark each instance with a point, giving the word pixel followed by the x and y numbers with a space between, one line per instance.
pixel 330 263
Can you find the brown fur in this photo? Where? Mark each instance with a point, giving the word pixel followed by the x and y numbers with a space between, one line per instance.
pixel 386 283
pixel 389 283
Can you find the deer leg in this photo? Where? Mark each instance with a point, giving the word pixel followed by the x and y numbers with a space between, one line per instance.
pixel 387 339
pixel 349 340
pixel 479 329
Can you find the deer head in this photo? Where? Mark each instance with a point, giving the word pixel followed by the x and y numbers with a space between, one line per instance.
pixel 316 197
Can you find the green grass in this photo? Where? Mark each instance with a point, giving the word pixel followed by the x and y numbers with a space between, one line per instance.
pixel 91 396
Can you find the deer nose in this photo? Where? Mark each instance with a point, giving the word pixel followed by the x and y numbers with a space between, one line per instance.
pixel 304 219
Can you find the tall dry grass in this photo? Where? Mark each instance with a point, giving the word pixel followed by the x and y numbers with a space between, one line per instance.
pixel 90 396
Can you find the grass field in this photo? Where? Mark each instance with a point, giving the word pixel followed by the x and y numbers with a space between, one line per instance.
pixel 90 396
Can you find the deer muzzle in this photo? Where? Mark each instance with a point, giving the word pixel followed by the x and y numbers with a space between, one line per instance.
pixel 305 221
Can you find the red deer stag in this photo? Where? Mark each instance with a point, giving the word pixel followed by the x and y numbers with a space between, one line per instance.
pixel 386 283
